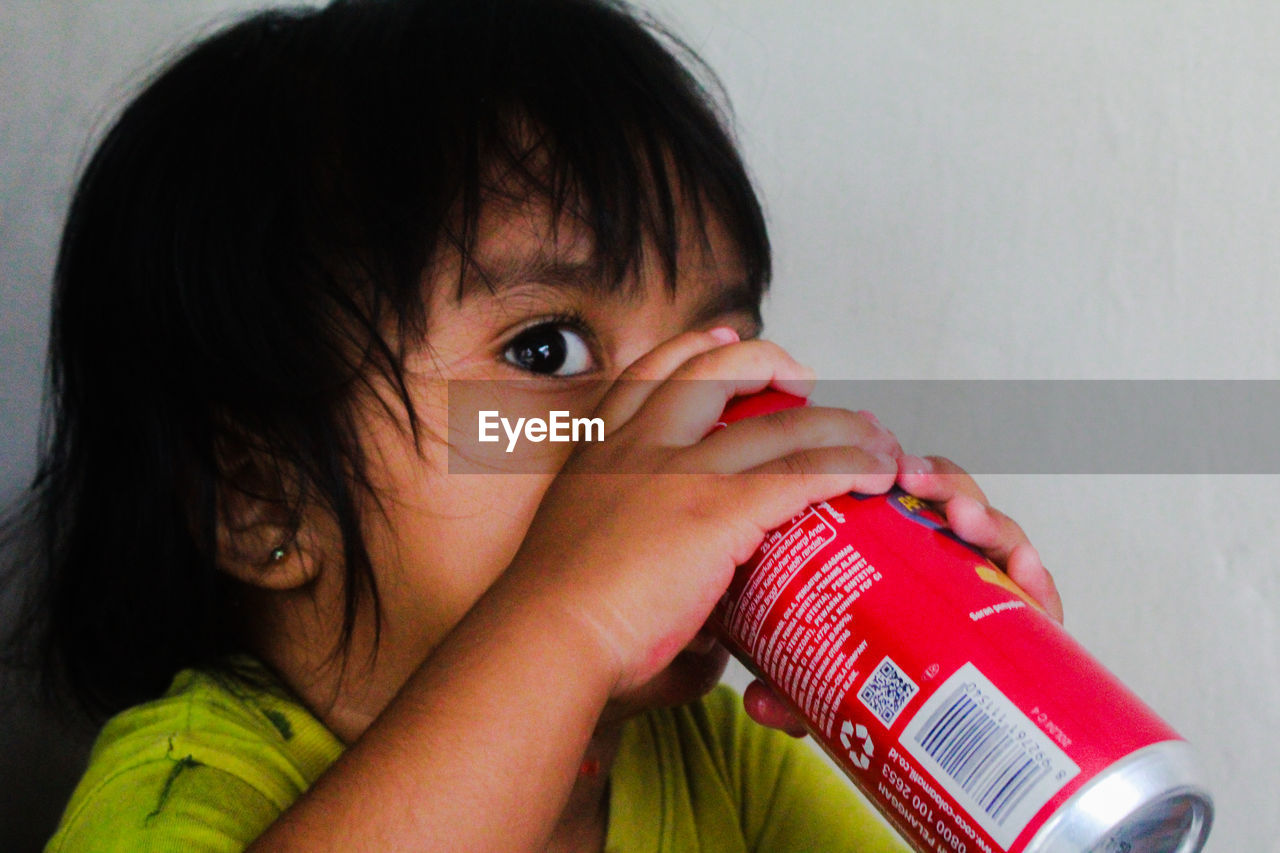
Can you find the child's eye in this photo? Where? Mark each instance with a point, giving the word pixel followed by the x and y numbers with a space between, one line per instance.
pixel 550 349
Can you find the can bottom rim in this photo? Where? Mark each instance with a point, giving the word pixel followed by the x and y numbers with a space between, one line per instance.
pixel 1151 801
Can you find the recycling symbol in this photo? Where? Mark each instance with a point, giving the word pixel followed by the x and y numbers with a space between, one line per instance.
pixel 848 732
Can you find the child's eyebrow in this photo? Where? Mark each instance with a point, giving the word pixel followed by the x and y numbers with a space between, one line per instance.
pixel 490 276
pixel 584 275
pixel 727 299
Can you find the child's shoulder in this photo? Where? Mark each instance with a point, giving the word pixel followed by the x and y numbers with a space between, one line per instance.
pixel 210 763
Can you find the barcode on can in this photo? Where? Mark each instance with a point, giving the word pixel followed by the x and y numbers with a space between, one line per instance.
pixel 887 691
pixel 988 755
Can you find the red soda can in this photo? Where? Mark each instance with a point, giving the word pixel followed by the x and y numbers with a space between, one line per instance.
pixel 970 718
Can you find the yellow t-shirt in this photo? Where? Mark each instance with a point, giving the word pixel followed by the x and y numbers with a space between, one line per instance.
pixel 211 764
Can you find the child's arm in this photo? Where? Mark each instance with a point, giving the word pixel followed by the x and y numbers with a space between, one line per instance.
pixel 480 748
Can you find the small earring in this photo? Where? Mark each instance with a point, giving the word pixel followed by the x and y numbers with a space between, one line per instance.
pixel 277 555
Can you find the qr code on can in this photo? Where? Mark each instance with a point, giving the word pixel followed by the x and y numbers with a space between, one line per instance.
pixel 887 691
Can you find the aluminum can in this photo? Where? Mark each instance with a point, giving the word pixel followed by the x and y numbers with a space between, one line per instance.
pixel 970 718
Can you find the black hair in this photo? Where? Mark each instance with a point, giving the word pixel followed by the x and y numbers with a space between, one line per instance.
pixel 247 248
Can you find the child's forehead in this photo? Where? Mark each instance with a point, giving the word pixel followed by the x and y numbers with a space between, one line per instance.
pixel 527 242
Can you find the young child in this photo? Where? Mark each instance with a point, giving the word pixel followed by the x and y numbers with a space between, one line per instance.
pixel 313 636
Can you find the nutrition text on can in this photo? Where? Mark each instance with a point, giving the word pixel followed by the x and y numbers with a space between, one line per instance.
pixel 972 720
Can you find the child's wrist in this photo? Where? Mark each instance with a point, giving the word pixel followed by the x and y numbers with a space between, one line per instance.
pixel 562 633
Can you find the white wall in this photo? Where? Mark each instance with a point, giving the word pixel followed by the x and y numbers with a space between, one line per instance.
pixel 1052 190
pixel 956 190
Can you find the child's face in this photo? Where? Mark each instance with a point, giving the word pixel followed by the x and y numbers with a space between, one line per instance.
pixel 439 540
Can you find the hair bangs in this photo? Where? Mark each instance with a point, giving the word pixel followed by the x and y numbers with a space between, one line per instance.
pixel 610 123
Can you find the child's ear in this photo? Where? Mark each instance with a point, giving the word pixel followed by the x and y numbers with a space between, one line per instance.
pixel 266 538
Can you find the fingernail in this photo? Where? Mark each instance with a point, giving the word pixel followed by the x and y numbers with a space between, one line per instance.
pixel 724 334
pixel 914 465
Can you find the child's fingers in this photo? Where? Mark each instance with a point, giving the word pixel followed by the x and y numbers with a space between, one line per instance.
pixel 771 493
pixel 974 520
pixel 984 527
pixel 642 376
pixel 821 472
pixel 682 409
pixel 968 512
pixel 1004 542
pixel 936 478
pixel 755 441
pixel 764 706
pixel 1025 569
pixel 663 360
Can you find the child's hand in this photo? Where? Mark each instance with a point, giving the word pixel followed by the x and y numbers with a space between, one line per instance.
pixel 635 561
pixel 975 521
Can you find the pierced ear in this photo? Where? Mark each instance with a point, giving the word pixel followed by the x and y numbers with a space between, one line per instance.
pixel 289 564
pixel 264 539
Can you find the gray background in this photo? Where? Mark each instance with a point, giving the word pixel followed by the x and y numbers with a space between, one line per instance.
pixel 978 190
